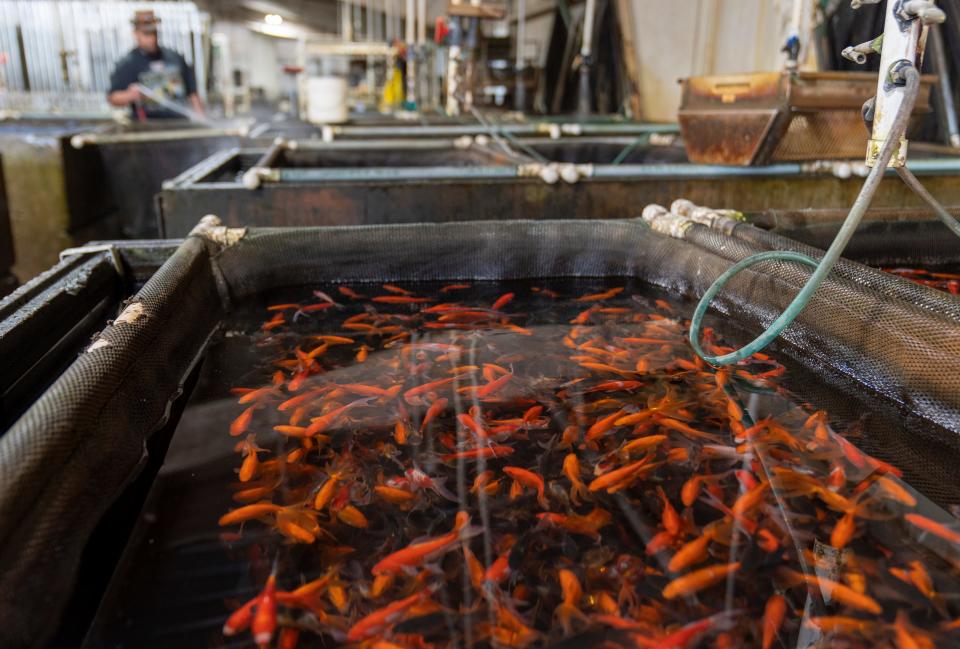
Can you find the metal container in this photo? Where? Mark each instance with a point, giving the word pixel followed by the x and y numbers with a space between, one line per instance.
pixel 417 180
pixel 78 180
pixel 115 407
pixel 50 206
pixel 129 165
pixel 8 281
pixel 756 119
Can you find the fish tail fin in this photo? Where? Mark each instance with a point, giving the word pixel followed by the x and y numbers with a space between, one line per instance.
pixel 441 490
pixel 469 532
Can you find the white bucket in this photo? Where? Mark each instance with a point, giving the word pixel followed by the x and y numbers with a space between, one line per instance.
pixel 326 100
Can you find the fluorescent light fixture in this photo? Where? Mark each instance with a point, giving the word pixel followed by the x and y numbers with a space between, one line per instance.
pixel 273 19
pixel 265 7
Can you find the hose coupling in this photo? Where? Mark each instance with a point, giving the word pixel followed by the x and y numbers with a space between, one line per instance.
pixel 663 221
pixel 720 220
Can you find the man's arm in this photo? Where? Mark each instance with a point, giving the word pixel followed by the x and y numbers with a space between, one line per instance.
pixel 125 97
pixel 190 81
pixel 123 85
pixel 196 104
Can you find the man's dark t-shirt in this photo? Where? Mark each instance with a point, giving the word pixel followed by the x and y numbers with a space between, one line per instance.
pixel 165 72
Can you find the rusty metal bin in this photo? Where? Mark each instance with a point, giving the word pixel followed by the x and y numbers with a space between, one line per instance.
pixel 759 118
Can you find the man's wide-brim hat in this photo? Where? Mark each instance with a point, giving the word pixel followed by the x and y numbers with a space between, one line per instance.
pixel 145 21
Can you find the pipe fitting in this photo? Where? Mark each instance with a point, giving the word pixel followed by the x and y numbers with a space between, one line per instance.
pixel 549 174
pixel 665 222
pixel 252 177
pixel 859 53
pixel 653 211
pixel 925 10
pixel 212 229
pixel 569 173
pixel 720 220
pixel 683 207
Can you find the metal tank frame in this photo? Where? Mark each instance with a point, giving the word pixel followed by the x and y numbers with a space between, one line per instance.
pixel 275 194
pixel 97 413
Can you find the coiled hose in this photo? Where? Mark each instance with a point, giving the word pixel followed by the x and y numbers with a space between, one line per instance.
pixel 825 265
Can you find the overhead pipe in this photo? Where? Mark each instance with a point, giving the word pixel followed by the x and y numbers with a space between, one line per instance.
pixel 411 99
pixel 421 22
pixel 520 99
pixel 586 58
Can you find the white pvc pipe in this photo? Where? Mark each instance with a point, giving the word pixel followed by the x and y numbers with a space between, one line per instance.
pixel 411 34
pixel 587 48
pixel 900 41
pixel 411 89
pixel 421 22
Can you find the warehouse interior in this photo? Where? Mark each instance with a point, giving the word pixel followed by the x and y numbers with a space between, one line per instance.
pixel 507 324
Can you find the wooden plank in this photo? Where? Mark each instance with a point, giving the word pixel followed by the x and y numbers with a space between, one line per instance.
pixel 493 12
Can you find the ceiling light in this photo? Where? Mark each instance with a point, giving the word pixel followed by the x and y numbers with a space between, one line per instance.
pixel 273 19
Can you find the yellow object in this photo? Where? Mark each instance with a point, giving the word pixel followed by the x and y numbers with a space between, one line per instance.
pixel 392 90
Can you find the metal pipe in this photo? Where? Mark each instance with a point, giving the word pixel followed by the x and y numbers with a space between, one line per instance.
pixel 655 171
pixel 390 174
pixel 195 174
pixel 83 139
pixel 598 172
pixel 936 166
pixel 901 42
pixel 921 191
pixel 421 144
pixel 528 128
pixel 411 64
pixel 263 165
pixel 946 89
pixel 586 58
pixel 520 99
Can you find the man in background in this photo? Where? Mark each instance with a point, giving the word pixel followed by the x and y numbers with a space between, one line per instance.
pixel 162 71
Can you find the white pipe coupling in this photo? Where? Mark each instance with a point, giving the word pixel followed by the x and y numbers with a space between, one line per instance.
pixel 665 222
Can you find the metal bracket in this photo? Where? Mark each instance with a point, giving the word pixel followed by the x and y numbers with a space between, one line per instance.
pixel 103 247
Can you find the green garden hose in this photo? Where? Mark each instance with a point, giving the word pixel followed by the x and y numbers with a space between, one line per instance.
pixel 822 268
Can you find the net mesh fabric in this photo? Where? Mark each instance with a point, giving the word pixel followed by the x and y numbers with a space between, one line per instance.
pixel 861 323
pixel 70 455
pixel 915 243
